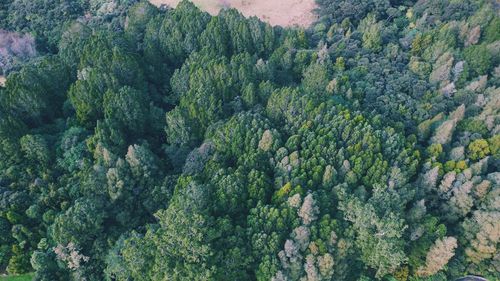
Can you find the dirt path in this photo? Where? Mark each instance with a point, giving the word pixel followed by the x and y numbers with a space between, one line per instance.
pixel 2 80
pixel 275 12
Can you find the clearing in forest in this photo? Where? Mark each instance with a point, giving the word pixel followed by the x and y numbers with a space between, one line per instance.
pixel 275 12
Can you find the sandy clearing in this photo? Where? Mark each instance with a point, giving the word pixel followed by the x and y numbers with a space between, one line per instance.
pixel 2 80
pixel 275 12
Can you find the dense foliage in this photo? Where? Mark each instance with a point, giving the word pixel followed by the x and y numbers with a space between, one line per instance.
pixel 168 144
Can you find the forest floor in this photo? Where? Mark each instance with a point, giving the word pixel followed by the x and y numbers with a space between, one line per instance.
pixel 275 12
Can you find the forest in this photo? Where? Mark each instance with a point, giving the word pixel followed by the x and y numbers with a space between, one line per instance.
pixel 140 143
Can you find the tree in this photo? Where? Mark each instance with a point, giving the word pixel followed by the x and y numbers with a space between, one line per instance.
pixel 379 238
pixel 81 224
pixel 35 94
pixel 216 37
pixel 339 10
pixel 308 211
pixel 479 58
pixel 149 143
pixel 185 235
pixel 179 31
pixel 46 20
pixel 19 262
pixel 36 150
pixel 371 30
pixel 315 81
pixel 481 232
pixel 132 256
pixel 128 108
pixel 70 256
pixel 138 17
pixel 438 256
pixel 105 65
pixel 478 149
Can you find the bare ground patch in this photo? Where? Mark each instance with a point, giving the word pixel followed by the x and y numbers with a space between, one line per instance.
pixel 275 12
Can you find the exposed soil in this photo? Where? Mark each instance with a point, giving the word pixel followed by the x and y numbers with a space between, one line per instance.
pixel 275 12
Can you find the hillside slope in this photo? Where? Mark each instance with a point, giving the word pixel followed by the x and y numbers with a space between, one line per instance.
pixel 171 144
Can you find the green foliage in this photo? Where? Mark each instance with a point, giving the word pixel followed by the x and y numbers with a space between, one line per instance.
pixel 316 79
pixel 341 10
pixel 103 66
pixel 494 142
pixel 19 261
pixel 435 150
pixel 371 30
pixel 85 216
pixel 474 126
pixel 128 108
pixel 478 149
pixel 492 33
pixel 35 150
pixel 158 143
pixel 378 238
pixel 420 42
pixel 137 19
pixel 179 31
pixel 479 58
pixel 130 257
pixel 30 95
pixel 45 19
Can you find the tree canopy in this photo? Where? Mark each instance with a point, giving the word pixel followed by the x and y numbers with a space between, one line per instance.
pixel 141 143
